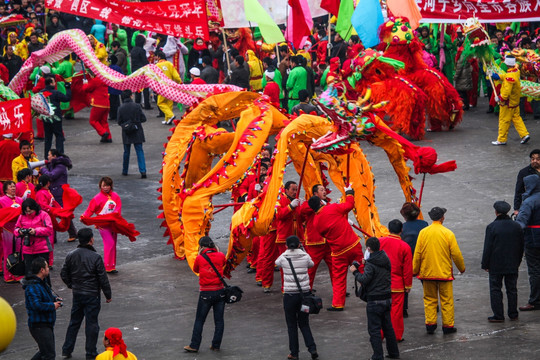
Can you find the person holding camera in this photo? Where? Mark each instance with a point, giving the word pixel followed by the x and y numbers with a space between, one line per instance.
pixel 35 227
pixel 84 273
pixel 9 200
pixel 212 294
pixel 41 306
pixel 377 280
pixel 296 315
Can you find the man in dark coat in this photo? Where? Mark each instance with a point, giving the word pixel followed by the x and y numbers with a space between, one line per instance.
pixel 138 60
pixel 503 251
pixel 12 62
pixel 84 273
pixel 54 124
pixel 529 220
pixel 208 73
pixel 532 169
pixel 239 75
pixel 130 116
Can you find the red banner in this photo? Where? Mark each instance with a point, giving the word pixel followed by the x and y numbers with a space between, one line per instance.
pixel 15 116
pixel 184 18
pixel 492 11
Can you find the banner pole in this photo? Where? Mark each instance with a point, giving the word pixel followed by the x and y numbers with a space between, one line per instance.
pixel 226 51
pixel 329 39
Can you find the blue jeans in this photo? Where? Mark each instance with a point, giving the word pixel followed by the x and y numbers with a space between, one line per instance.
pixel 208 300
pixel 84 306
pixel 44 336
pixel 378 316
pixel 140 158
pixel 297 319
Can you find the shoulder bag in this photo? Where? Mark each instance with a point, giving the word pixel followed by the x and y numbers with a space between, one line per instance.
pixel 232 293
pixel 312 301
pixel 15 262
pixel 130 127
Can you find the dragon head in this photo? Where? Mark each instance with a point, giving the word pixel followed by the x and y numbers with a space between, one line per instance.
pixel 396 31
pixel 351 123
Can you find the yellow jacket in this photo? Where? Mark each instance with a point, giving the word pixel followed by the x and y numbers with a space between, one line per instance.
pixel 511 88
pixel 20 163
pixel 255 71
pixel 169 70
pixel 435 249
pixel 108 355
pixel 100 51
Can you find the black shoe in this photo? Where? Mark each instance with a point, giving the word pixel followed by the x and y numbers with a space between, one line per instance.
pixel 251 270
pixel 314 355
pixel 449 330
pixel 493 319
pixel 112 271
pixel 143 175
pixel 334 309
pixel 405 314
pixel 392 356
pixel 105 137
pixel 431 329
pixel 148 108
pixel 214 348
pixel 347 294
pixel 160 115
pixel 490 110
pixel 124 174
pixel 66 356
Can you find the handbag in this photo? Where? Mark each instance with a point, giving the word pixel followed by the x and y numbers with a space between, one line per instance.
pixel 15 263
pixel 360 291
pixel 233 293
pixel 130 127
pixel 313 302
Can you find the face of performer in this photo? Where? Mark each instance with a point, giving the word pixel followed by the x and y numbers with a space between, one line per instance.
pixel 424 33
pixel 264 171
pixel 34 39
pixel 291 191
pixel 105 188
pixel 10 191
pixel 26 151
pixel 13 38
pixel 321 192
pixel 50 156
pixel 535 161
pixel 92 41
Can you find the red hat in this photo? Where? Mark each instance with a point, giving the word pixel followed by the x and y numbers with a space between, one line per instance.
pixel 114 336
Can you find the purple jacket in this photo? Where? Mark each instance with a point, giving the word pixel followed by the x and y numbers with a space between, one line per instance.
pixel 57 171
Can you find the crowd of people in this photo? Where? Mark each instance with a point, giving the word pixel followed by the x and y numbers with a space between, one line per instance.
pixel 303 233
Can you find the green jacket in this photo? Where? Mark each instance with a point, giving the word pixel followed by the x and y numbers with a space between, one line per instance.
pixel 64 69
pixel 297 81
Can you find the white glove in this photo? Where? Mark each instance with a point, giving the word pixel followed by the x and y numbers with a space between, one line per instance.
pixel 366 254
pixel 348 188
pixel 229 72
pixel 295 203
pixel 85 81
pixel 35 172
pixel 323 202
pixel 329 46
pixel 350 222
pixel 258 187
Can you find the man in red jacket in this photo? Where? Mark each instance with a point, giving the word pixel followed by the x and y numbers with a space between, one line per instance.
pixel 400 255
pixel 316 246
pixel 331 223
pixel 98 92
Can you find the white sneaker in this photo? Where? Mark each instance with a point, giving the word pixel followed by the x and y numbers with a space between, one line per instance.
pixel 168 121
pixel 497 143
pixel 525 139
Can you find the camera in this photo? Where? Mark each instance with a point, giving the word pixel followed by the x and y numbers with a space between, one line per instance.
pixel 25 233
pixel 356 264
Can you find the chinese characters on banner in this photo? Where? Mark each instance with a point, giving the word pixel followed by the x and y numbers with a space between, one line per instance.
pixel 183 18
pixel 15 116
pixel 457 11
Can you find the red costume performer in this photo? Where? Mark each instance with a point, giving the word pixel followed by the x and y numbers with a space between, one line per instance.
pixel 99 100
pixel 331 222
pixel 399 253
pixel 9 150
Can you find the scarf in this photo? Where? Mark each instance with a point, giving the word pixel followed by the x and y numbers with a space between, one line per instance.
pixel 117 343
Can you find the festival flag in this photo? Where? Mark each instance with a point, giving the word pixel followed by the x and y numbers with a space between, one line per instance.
pixel 405 8
pixel 269 30
pixel 332 6
pixel 366 19
pixel 299 23
pixel 343 25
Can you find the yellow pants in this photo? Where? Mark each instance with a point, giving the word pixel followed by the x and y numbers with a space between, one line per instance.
pixel 433 291
pixel 507 115
pixel 166 106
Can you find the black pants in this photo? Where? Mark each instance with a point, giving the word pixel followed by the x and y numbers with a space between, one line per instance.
pixel 115 104
pixel 297 319
pixel 378 316
pixel 496 295
pixel 53 128
pixel 532 255
pixel 44 336
pixel 84 307
pixel 146 95
pixel 465 97
pixel 209 300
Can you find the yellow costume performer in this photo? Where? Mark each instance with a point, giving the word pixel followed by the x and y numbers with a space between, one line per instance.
pixel 99 49
pixel 164 104
pixel 509 104
pixel 435 250
pixel 255 71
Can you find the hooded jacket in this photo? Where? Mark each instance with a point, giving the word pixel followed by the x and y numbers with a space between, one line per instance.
pixel 40 242
pixel 301 262
pixel 529 212
pixel 39 302
pixel 138 54
pixel 377 276
pixel 57 170
pixel 84 272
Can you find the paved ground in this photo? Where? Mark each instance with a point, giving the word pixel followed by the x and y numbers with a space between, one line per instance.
pixel 154 296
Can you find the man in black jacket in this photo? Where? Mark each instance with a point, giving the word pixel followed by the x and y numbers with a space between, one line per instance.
pixel 130 117
pixel 84 273
pixel 12 62
pixel 532 169
pixel 377 281
pixel 138 60
pixel 53 124
pixel 503 251
pixel 208 73
pixel 240 75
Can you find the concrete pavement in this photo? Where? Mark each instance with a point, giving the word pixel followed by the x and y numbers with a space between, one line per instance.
pixel 155 296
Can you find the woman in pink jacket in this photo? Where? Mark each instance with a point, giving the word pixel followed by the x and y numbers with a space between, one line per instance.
pixel 46 202
pixel 6 245
pixel 38 242
pixel 106 202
